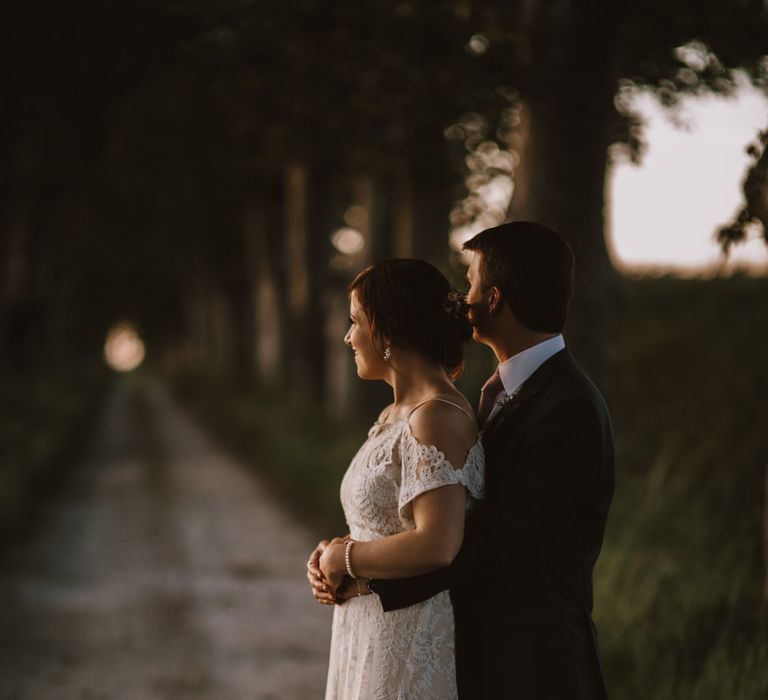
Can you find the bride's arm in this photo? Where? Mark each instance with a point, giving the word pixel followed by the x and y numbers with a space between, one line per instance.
pixel 438 514
pixel 432 544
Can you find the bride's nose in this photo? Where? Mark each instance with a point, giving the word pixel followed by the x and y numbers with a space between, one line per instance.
pixel 347 338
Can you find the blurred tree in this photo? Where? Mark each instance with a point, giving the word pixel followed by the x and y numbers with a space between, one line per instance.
pixel 574 64
pixel 755 209
pixel 141 138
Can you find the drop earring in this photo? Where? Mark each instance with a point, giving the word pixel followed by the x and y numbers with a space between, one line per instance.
pixel 387 353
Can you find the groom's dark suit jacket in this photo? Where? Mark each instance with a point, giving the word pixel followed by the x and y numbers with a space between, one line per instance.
pixel 522 583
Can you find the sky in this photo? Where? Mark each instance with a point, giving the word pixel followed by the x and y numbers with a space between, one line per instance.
pixel 663 214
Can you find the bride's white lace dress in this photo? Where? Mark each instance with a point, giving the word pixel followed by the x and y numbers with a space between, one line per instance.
pixel 407 653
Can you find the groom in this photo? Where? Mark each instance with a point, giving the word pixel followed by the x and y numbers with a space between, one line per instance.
pixel 522 583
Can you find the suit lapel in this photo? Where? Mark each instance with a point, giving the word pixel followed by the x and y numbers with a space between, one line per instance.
pixel 517 406
pixel 505 416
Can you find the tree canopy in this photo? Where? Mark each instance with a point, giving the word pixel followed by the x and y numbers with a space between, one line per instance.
pixel 134 132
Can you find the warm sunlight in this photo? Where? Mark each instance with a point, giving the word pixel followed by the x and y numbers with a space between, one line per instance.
pixel 124 349
pixel 663 214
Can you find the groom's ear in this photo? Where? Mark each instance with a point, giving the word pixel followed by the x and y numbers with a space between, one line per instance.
pixel 495 300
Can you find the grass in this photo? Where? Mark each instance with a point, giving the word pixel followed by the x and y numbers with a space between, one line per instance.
pixel 679 585
pixel 44 417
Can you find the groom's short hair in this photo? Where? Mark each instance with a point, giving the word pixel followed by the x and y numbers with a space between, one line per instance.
pixel 532 265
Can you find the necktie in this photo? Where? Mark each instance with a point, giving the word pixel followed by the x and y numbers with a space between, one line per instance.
pixel 488 395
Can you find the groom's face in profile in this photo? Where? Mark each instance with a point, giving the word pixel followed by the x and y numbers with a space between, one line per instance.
pixel 478 299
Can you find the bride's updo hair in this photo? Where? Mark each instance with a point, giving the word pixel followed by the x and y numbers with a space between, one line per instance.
pixel 411 304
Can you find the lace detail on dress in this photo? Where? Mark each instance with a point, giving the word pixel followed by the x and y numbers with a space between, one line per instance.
pixel 424 468
pixel 405 654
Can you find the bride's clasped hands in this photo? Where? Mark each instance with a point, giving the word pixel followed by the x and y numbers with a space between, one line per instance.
pixel 327 573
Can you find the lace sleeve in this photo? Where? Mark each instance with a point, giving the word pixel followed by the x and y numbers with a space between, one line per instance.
pixel 424 468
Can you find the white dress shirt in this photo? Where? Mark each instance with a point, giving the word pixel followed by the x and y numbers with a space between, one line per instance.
pixel 515 370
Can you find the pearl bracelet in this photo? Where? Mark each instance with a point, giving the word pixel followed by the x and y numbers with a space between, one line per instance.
pixel 348 563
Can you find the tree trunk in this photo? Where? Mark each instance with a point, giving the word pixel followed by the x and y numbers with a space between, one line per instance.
pixel 264 326
pixel 564 189
pixel 222 330
pixel 402 212
pixel 297 277
pixel 14 258
pixel 193 305
pixel 765 541
pixel 560 180
pixel 13 274
pixel 364 195
pixel 340 394
pixel 431 197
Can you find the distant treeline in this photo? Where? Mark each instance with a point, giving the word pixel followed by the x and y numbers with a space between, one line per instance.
pixel 185 166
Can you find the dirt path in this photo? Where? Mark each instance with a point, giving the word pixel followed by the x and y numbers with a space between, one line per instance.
pixel 164 571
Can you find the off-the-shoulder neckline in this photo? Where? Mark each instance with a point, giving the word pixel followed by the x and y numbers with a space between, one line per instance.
pixel 407 422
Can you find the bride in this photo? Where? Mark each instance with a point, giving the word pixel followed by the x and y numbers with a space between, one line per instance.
pixel 406 490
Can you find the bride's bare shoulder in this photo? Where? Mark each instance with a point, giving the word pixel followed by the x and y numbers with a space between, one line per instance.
pixel 385 413
pixel 447 424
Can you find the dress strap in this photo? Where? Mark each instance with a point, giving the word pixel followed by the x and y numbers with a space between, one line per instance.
pixel 436 398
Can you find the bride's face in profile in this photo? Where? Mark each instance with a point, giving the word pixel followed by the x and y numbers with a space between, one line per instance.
pixel 370 364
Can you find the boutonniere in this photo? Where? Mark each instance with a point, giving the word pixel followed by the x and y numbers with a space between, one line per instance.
pixel 508 406
pixel 511 403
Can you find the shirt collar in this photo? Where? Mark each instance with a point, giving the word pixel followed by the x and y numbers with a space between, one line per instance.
pixel 515 370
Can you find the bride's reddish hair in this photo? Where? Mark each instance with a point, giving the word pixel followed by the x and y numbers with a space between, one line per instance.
pixel 410 304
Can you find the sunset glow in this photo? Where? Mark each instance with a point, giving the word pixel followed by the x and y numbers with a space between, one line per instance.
pixel 664 213
pixel 124 350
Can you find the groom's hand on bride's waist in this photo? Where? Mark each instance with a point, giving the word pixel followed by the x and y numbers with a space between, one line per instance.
pixel 352 588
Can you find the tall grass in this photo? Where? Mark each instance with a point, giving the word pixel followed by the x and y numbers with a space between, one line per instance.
pixel 679 582
pixel 44 417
